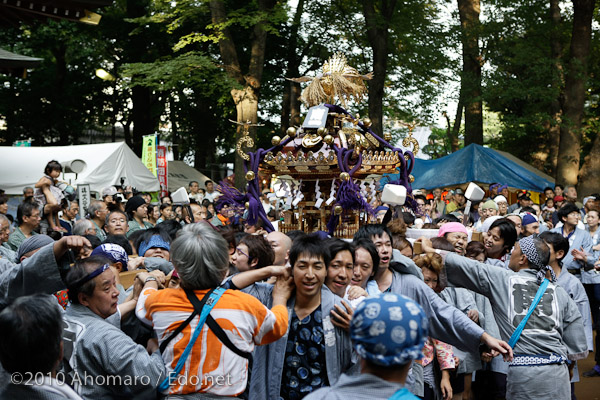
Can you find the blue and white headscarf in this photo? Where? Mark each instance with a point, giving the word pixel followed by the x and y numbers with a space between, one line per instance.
pixel 527 246
pixel 389 329
pixel 113 252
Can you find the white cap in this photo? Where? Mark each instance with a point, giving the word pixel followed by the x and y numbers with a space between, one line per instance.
pixel 500 199
pixel 109 191
pixel 586 199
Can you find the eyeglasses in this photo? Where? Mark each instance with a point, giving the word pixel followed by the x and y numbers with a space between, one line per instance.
pixel 241 253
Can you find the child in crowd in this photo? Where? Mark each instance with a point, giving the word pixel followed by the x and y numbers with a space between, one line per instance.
pixel 48 194
pixel 464 300
pixel 166 212
pixel 548 209
pixel 435 375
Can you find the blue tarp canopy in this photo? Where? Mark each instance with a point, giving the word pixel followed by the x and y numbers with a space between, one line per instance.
pixel 479 164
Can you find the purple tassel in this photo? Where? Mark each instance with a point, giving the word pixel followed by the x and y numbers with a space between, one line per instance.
pixel 253 210
pixel 350 198
pixel 230 196
pixel 333 222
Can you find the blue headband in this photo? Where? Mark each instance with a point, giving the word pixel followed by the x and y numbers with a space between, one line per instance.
pixel 155 241
pixel 90 276
pixel 389 329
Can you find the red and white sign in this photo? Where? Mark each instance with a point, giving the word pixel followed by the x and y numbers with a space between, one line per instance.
pixel 161 167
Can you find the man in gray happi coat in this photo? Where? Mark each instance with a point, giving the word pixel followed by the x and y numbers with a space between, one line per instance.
pixel 101 361
pixel 554 334
pixel 40 273
pixel 312 301
pixel 447 323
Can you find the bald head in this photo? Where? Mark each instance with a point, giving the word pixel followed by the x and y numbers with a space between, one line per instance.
pixel 281 245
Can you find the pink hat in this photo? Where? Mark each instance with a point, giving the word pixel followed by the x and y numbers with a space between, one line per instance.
pixel 450 227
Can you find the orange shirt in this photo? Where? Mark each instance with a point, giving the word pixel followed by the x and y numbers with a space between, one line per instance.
pixel 211 367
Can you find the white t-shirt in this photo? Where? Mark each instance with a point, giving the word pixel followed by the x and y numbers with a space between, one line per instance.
pixel 213 196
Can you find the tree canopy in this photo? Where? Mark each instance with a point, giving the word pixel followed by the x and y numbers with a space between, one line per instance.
pixel 184 69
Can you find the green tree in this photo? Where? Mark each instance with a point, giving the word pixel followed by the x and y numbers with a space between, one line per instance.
pixel 60 99
pixel 197 111
pixel 402 43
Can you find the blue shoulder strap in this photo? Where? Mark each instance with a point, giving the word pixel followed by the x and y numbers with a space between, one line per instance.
pixel 538 296
pixel 212 300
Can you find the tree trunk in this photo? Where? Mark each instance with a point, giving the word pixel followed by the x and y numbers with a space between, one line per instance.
pixel 589 175
pixel 127 133
pixel 378 35
pixel 142 122
pixel 555 112
pixel 576 77
pixel 468 11
pixel 285 108
pixel 454 145
pixel 295 103
pixel 136 50
pixel 246 105
pixel 246 99
pixel 59 54
pixel 290 111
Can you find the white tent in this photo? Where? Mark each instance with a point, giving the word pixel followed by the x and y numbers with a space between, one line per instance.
pixel 105 165
pixel 180 174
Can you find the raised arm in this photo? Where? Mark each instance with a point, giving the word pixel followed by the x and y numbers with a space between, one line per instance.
pixel 43 182
pixel 447 323
pixel 40 273
pixel 466 273
pixel 247 278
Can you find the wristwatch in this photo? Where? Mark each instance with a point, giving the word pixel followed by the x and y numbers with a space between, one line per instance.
pixel 149 279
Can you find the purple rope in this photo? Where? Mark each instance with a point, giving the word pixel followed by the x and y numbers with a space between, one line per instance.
pixel 255 208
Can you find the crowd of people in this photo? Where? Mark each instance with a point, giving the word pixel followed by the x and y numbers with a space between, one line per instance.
pixel 222 308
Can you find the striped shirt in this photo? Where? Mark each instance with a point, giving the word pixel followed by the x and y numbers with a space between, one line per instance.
pixel 211 367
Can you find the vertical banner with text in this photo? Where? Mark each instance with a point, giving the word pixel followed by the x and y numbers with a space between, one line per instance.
pixel 161 162
pixel 149 153
pixel 85 199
